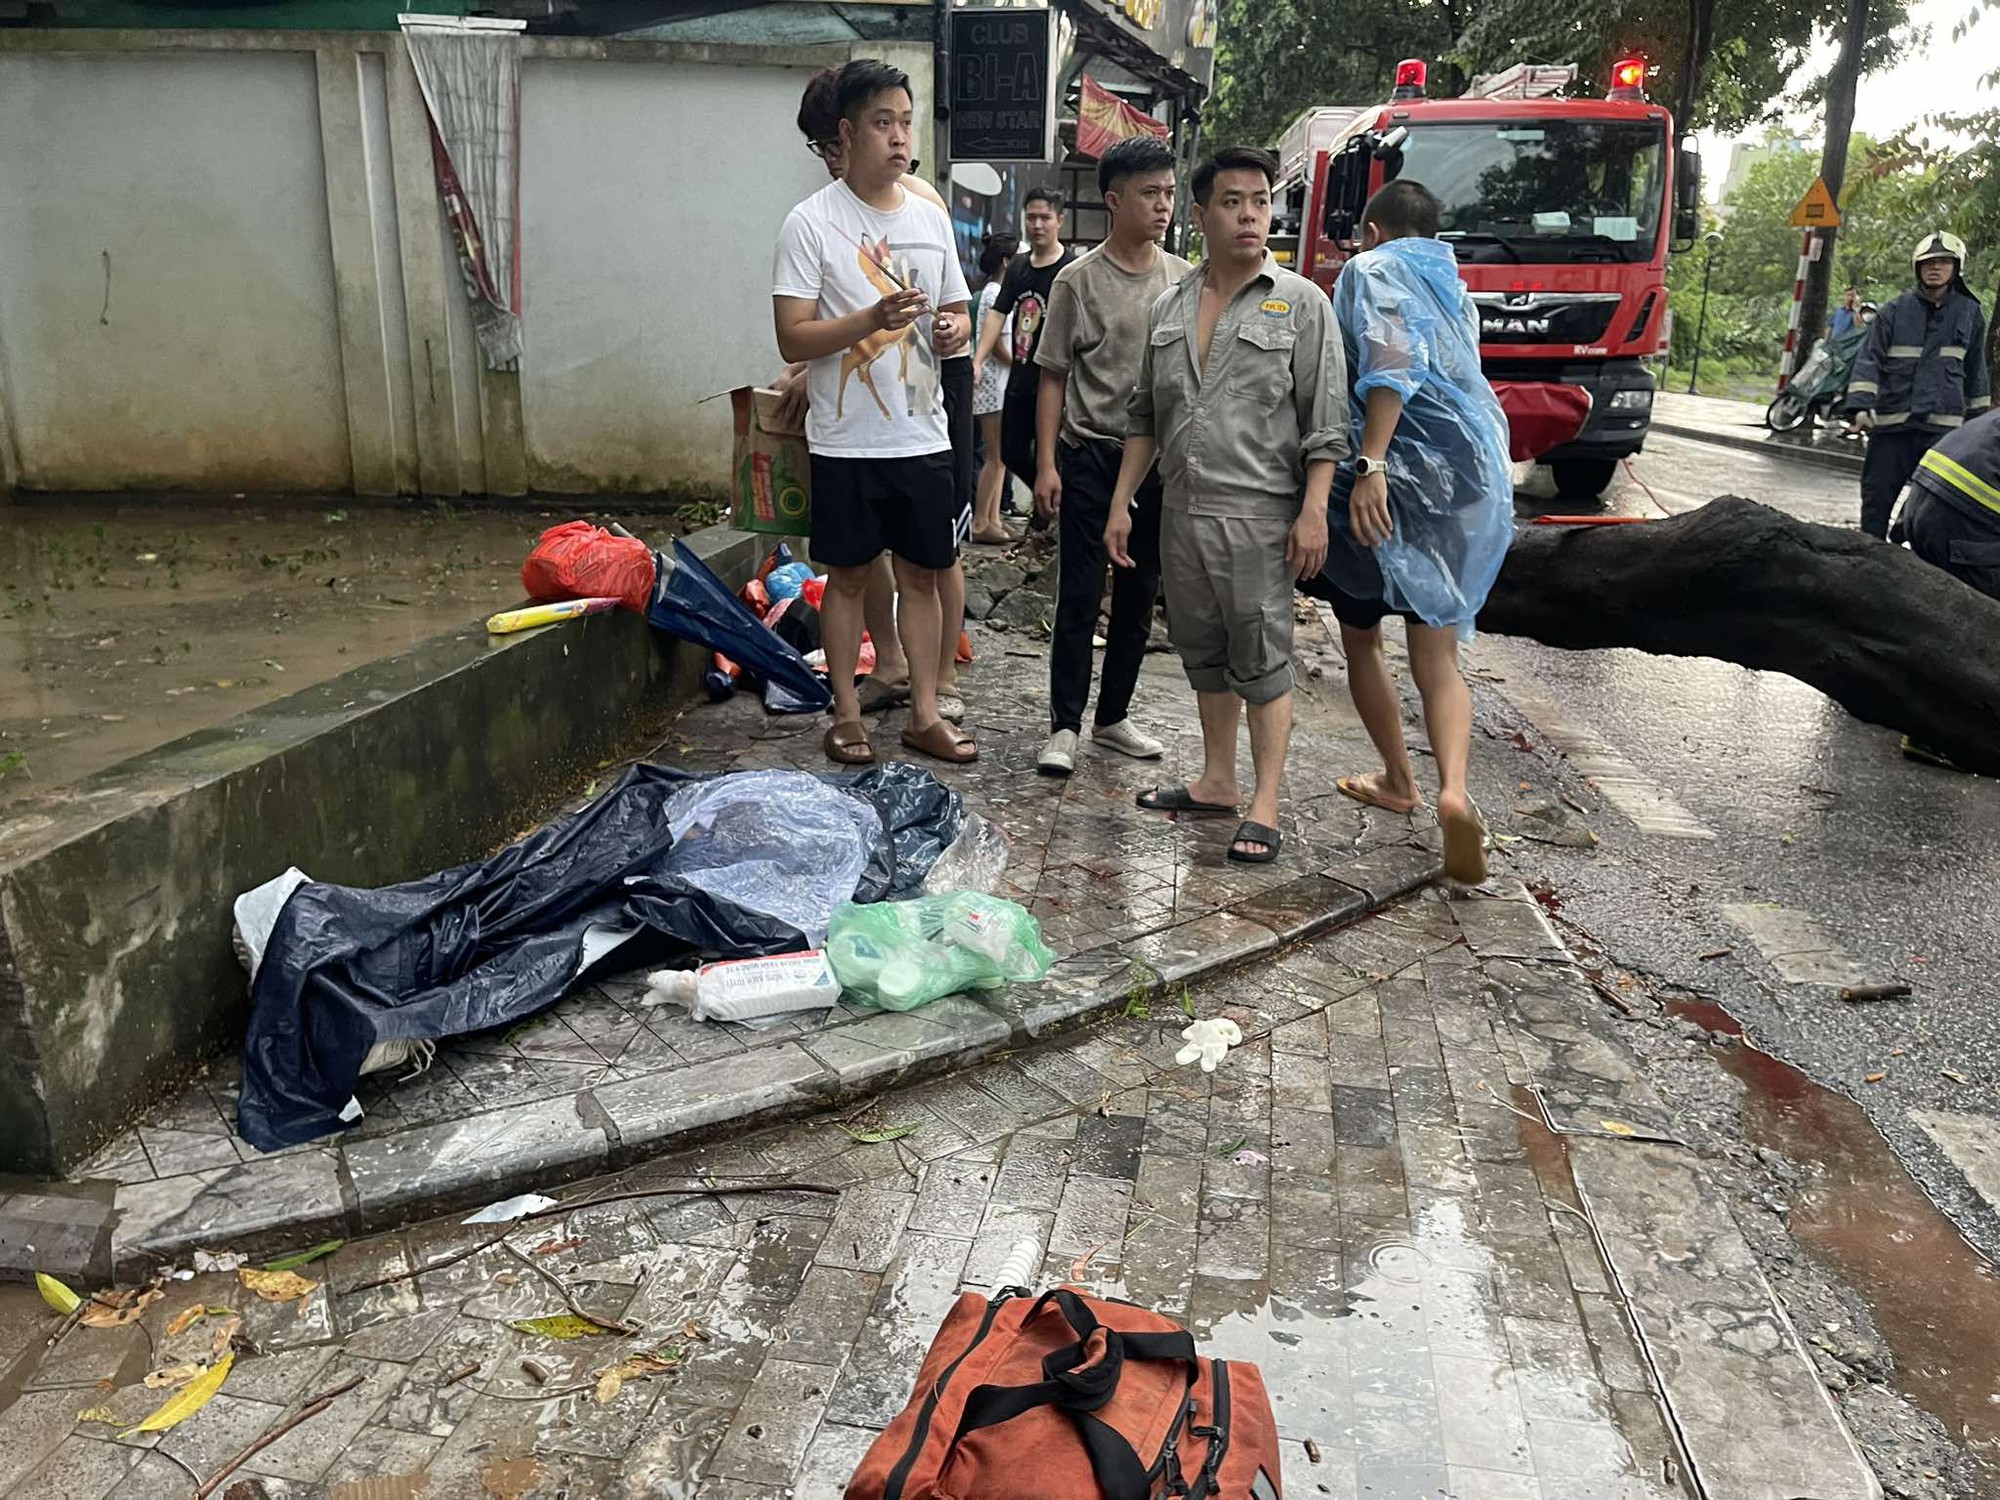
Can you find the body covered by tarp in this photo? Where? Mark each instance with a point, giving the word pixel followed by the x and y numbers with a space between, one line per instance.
pixel 491 943
pixel 1410 326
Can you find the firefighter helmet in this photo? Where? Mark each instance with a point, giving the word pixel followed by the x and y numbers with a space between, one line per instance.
pixel 1939 244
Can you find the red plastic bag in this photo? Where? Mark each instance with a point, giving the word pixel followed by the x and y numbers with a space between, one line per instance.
pixel 1541 415
pixel 577 560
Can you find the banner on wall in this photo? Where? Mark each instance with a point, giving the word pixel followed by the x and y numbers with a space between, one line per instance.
pixel 469 70
pixel 1103 120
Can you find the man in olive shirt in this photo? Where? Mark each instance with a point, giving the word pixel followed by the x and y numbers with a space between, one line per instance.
pixel 1092 339
pixel 1242 394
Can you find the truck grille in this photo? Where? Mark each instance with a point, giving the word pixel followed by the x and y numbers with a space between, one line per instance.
pixel 1545 317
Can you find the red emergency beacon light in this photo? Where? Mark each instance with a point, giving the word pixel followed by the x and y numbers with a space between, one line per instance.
pixel 1628 80
pixel 1410 76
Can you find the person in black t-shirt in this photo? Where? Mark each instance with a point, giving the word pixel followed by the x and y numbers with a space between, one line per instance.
pixel 1025 294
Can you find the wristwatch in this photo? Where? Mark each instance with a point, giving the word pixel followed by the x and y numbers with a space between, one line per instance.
pixel 1364 466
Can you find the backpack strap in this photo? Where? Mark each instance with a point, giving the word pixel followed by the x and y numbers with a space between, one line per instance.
pixel 1080 1379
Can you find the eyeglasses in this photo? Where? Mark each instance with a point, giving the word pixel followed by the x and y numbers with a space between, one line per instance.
pixel 823 149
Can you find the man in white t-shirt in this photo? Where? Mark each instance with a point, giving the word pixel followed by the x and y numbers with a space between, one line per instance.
pixel 862 266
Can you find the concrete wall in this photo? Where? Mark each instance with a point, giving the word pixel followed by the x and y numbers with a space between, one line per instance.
pixel 285 311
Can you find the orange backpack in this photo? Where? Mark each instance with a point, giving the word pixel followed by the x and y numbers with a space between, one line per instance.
pixel 1068 1397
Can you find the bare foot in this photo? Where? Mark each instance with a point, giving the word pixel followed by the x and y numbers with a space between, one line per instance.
pixel 1377 790
pixel 1464 838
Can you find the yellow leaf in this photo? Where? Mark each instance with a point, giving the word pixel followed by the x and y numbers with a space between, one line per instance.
pixel 119 1310
pixel 560 1326
pixel 159 1380
pixel 58 1296
pixel 609 1384
pixel 186 1401
pixel 1617 1127
pixel 185 1319
pixel 276 1286
pixel 103 1414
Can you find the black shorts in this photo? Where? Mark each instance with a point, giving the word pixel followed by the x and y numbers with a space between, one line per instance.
pixel 956 381
pixel 863 507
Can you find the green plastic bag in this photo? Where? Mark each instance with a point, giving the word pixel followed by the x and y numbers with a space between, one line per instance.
pixel 902 954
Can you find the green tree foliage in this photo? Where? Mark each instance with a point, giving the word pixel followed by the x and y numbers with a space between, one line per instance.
pixel 1278 57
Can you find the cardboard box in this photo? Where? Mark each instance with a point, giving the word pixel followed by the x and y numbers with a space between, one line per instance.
pixel 772 468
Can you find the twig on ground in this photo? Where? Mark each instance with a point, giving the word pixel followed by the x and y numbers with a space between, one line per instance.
pixel 70 1320
pixel 311 1409
pixel 569 1297
pixel 1856 994
pixel 1715 953
pixel 462 1372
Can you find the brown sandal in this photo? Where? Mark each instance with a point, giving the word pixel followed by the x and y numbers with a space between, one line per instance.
pixel 848 744
pixel 942 742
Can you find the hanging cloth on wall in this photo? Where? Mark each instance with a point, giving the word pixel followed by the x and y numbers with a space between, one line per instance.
pixel 469 70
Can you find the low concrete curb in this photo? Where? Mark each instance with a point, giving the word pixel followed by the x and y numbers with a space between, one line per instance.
pixel 1771 445
pixel 116 974
pixel 359 1186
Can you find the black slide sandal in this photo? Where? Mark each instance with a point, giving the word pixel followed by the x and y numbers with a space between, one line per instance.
pixel 1177 799
pixel 1256 833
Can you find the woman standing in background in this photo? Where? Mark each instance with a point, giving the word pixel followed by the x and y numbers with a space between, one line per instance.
pixel 989 396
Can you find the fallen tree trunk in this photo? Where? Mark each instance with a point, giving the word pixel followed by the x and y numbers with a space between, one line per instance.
pixel 1889 637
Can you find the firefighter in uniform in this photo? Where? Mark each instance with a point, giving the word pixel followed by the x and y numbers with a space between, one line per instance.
pixel 1951 514
pixel 1921 374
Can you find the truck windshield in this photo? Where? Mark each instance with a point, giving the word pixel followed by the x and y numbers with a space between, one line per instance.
pixel 1543 190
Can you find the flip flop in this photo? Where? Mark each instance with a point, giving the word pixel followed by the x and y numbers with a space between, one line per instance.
pixel 848 744
pixel 1178 799
pixel 875 695
pixel 1464 848
pixel 942 742
pixel 1256 833
pixel 1367 796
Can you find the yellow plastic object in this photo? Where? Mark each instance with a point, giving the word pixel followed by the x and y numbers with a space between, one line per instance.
pixel 511 620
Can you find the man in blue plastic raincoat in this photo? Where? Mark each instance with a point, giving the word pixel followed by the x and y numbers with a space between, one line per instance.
pixel 1422 517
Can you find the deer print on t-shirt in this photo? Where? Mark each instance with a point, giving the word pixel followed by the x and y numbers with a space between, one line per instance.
pixel 879 266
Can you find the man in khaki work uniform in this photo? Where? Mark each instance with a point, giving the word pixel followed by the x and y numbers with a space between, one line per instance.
pixel 1242 395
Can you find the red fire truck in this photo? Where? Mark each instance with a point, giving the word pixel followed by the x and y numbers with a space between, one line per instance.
pixel 1561 211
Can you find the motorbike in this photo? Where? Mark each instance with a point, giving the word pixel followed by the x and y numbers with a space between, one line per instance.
pixel 1817 390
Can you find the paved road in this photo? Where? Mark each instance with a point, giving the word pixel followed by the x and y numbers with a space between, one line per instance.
pixel 1811 810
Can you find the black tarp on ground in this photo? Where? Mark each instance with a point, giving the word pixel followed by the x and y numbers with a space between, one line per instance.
pixel 491 943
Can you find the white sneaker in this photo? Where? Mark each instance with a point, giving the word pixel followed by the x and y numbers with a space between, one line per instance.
pixel 1058 757
pixel 1128 739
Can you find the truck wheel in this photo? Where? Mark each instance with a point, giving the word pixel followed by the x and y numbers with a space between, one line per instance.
pixel 1582 478
pixel 1785 413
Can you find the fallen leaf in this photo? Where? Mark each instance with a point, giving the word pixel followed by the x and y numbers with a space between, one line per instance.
pixel 611 1381
pixel 1954 1075
pixel 1874 1077
pixel 609 1384
pixel 1080 1267
pixel 209 1262
pixel 186 1401
pixel 887 1133
pixel 101 1414
pixel 696 1332
pixel 225 1331
pixel 185 1319
pixel 58 1296
pixel 276 1286
pixel 121 1309
pixel 160 1379
pixel 303 1257
pixel 1617 1127
pixel 559 1326
pixel 557 1247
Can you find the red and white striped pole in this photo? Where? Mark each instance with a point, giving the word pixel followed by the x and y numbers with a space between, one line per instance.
pixel 1808 253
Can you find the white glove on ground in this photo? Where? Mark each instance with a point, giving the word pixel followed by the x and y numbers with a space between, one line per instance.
pixel 1210 1041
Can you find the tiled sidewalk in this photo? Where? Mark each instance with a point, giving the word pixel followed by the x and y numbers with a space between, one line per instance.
pixel 1126 897
pixel 1365 1199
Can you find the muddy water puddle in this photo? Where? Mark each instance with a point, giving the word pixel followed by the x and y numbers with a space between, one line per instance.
pixel 1935 1299
pixel 125 625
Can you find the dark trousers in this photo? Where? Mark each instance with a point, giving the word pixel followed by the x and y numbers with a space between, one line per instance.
pixel 1942 534
pixel 1017 424
pixel 1893 456
pixel 1089 475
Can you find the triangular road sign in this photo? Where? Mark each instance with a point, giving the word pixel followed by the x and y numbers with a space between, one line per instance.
pixel 1817 209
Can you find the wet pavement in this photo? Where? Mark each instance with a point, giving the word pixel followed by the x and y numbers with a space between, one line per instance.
pixel 130 623
pixel 1367 1198
pixel 1740 424
pixel 1130 901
